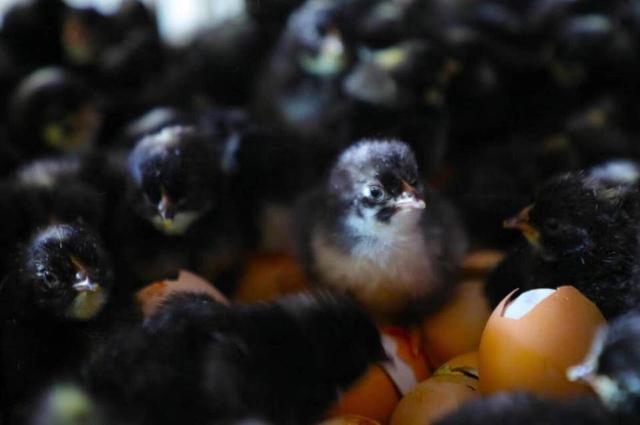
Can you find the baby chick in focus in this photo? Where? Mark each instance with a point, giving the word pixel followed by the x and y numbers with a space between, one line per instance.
pixel 51 307
pixel 581 231
pixel 374 231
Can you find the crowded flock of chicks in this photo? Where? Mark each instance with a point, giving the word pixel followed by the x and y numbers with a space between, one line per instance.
pixel 339 169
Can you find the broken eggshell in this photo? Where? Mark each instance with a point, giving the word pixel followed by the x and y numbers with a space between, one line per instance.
pixel 529 342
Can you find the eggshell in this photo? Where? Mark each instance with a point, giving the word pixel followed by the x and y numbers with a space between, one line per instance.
pixel 456 329
pixel 269 276
pixel 350 420
pixel 377 393
pixel 432 399
pixel 151 296
pixel 533 353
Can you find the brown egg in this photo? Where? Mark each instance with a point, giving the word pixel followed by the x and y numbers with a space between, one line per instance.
pixel 434 398
pixel 377 393
pixel 529 342
pixel 269 276
pixel 350 420
pixel 457 327
pixel 151 296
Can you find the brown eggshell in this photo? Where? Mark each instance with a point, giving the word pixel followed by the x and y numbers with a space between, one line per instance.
pixel 377 393
pixel 434 398
pixel 151 296
pixel 373 396
pixel 456 329
pixel 408 349
pixel 533 353
pixel 270 276
pixel 350 420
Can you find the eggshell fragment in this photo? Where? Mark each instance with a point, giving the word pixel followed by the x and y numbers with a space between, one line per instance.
pixel 269 276
pixel 377 393
pixel 532 353
pixel 151 296
pixel 456 329
pixel 434 398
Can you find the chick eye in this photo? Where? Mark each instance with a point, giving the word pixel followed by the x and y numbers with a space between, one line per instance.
pixel 552 225
pixel 376 193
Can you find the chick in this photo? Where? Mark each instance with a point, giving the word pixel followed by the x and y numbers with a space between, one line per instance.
pixel 51 308
pixel 266 172
pixel 175 213
pixel 523 408
pixel 204 362
pixel 373 230
pixel 52 111
pixel 174 176
pixel 611 367
pixel 581 231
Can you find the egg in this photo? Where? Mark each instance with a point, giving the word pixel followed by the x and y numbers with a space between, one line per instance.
pixel 269 276
pixel 151 296
pixel 435 397
pixel 350 420
pixel 378 392
pixel 530 341
pixel 456 329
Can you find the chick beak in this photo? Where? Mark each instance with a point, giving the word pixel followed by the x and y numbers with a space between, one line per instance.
pixel 166 211
pixel 521 222
pixel 86 285
pixel 83 283
pixel 410 199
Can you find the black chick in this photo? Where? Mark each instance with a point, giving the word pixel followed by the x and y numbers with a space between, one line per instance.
pixel 175 213
pixel 52 306
pixel 373 230
pixel 581 231
pixel 266 172
pixel 611 367
pixel 202 361
pixel 52 111
pixel 523 408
